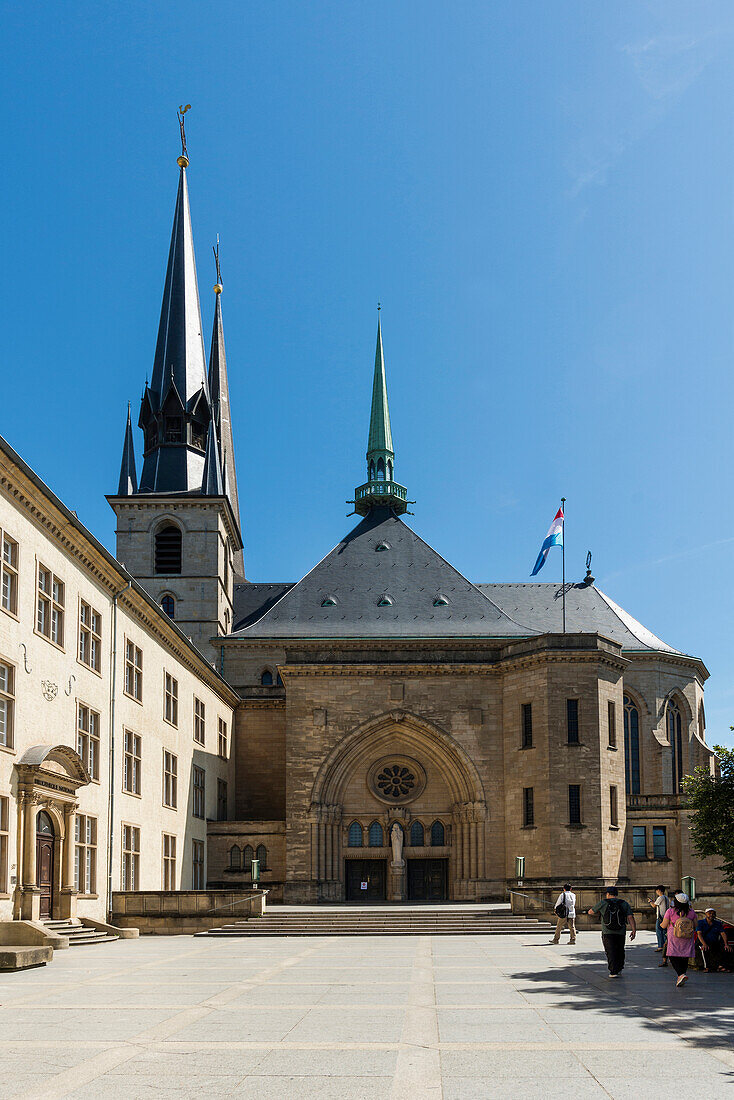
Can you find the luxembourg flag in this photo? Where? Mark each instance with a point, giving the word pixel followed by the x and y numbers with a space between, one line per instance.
pixel 553 538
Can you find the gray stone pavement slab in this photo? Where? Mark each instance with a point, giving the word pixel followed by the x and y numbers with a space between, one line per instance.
pixel 404 1018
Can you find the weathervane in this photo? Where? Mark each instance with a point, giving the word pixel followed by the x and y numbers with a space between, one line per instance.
pixel 215 250
pixel 183 160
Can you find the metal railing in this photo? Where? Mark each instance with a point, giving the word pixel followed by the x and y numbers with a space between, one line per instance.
pixel 381 489
pixel 656 801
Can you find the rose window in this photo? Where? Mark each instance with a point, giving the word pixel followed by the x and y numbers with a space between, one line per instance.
pixel 395 780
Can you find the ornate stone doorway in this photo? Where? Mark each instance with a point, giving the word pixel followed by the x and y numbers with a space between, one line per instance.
pixel 366 879
pixel 428 879
pixel 45 863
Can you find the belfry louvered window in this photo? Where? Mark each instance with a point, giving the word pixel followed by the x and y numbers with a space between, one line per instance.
pixel 168 550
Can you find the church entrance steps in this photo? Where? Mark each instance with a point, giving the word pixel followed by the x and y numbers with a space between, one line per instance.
pixel 385 920
pixel 79 935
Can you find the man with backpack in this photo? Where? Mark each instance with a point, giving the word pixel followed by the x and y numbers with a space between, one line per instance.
pixel 615 914
pixel 565 910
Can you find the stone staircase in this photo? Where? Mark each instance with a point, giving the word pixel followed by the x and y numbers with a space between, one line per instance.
pixel 448 920
pixel 79 935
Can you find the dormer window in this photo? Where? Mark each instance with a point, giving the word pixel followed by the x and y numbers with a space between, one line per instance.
pixel 384 601
pixel 381 546
pixel 328 601
pixel 440 601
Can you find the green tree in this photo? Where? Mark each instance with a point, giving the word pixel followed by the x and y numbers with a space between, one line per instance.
pixel 711 804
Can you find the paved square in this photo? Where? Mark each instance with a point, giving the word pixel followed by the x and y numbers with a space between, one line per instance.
pixel 362 1018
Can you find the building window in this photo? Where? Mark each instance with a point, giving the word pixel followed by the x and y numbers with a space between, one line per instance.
pixel 375 837
pixel 87 739
pixel 701 722
pixel 613 808
pixel 266 677
pixel 50 606
pixel 90 637
pixel 130 857
pixel 168 606
pixel 197 864
pixel 235 858
pixel 4 842
pixel 85 855
pixel 528 807
pixel 631 746
pixel 574 804
pixel 170 704
pixel 170 780
pixel 199 721
pixel 612 724
pixel 199 792
pixel 572 721
pixel 169 862
pixel 133 671
pixel 659 842
pixel 222 739
pixel 355 838
pixel 173 429
pixel 262 856
pixel 527 725
pixel 168 550
pixel 131 763
pixel 221 800
pixel 248 854
pixel 8 573
pixel 639 842
pixel 7 704
pixel 438 834
pixel 417 835
pixel 675 736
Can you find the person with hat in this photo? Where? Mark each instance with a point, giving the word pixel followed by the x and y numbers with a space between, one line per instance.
pixel 712 940
pixel 680 922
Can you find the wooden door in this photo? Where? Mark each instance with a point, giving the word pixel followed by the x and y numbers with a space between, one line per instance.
pixel 427 879
pixel 45 873
pixel 366 879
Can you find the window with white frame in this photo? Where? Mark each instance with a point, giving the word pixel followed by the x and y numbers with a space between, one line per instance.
pixel 8 573
pixel 85 854
pixel 7 704
pixel 199 721
pixel 197 864
pixel 87 738
pixel 170 780
pixel 50 606
pixel 133 671
pixel 169 862
pixel 90 636
pixel 199 788
pixel 131 763
pixel 4 841
pixel 222 739
pixel 170 701
pixel 130 857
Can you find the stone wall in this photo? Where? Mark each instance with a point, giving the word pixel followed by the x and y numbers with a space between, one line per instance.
pixel 184 912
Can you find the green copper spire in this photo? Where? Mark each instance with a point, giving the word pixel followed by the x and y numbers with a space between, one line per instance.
pixel 380 488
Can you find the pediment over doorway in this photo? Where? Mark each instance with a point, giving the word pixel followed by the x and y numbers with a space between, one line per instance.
pixel 56 762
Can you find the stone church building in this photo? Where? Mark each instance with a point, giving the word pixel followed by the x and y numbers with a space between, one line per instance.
pixel 382 729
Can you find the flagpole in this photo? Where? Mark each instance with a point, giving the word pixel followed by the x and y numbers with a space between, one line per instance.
pixel 563 556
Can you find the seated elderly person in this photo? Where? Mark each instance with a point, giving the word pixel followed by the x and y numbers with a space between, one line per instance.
pixel 711 938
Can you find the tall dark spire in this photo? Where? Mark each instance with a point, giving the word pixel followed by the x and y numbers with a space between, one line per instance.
pixel 380 488
pixel 175 407
pixel 128 474
pixel 212 482
pixel 219 396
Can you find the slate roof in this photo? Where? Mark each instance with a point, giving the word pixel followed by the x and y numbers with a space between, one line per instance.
pixel 357 577
pixel 588 611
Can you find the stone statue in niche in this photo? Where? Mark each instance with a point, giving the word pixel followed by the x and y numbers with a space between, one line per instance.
pixel 396 839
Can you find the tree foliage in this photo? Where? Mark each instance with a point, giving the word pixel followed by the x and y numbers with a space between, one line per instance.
pixel 711 804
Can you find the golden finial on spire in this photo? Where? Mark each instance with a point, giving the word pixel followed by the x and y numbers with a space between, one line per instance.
pixel 183 160
pixel 218 285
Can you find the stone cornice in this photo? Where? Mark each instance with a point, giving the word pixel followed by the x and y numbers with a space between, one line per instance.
pixel 261 704
pixel 172 502
pixel 444 668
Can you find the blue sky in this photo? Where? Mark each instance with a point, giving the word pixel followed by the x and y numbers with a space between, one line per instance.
pixel 541 195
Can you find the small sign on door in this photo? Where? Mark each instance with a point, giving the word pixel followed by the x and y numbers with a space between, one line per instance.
pixel 363 885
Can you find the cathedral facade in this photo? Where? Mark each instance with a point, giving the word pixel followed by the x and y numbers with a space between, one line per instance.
pixel 383 729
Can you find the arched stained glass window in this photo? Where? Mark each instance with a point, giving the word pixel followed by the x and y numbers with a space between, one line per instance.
pixel 248 854
pixel 234 858
pixel 674 729
pixel 438 834
pixel 168 606
pixel 631 746
pixel 355 839
pixel 262 855
pixel 266 678
pixel 417 835
pixel 376 839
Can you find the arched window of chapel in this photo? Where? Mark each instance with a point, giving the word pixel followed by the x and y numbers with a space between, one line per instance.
pixel 376 838
pixel 674 730
pixel 631 746
pixel 234 858
pixel 417 835
pixel 248 854
pixel 168 542
pixel 262 855
pixel 438 834
pixel 355 838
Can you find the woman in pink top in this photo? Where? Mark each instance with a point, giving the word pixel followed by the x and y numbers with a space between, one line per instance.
pixel 680 948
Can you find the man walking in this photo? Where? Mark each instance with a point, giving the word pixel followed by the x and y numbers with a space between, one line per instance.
pixel 661 904
pixel 565 909
pixel 615 914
